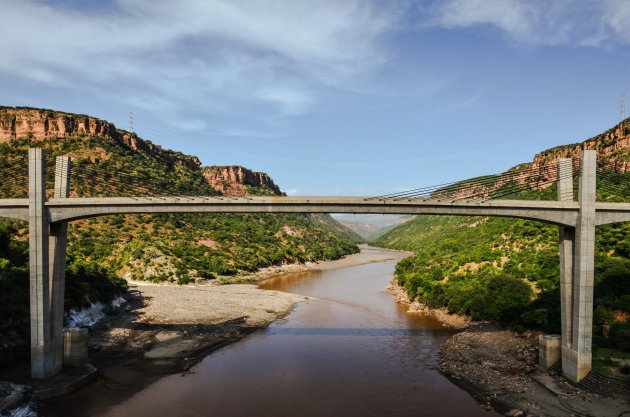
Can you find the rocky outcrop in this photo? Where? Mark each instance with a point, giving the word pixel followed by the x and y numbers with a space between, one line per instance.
pixel 613 150
pixel 236 180
pixel 41 124
pixel 613 154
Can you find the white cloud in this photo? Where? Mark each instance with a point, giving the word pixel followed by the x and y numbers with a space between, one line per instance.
pixel 215 56
pixel 546 22
pixel 617 17
pixel 516 17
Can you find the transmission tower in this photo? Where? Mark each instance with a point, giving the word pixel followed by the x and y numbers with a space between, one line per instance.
pixel 623 111
pixel 130 122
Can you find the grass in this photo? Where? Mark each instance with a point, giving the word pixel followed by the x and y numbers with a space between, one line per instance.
pixel 607 353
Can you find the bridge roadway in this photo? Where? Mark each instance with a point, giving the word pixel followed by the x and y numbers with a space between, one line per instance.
pixel 48 223
pixel 560 213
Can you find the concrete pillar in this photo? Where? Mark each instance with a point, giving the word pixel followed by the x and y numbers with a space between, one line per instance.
pixel 579 364
pixel 567 247
pixel 41 364
pixel 57 269
pixel 548 350
pixel 75 343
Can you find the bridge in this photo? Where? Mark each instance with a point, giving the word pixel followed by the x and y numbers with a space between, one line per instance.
pixel 48 226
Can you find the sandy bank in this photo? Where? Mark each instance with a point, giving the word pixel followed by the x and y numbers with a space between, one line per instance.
pixel 367 255
pixel 166 329
pixel 166 312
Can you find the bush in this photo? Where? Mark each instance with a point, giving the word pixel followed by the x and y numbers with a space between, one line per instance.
pixel 620 335
pixel 87 282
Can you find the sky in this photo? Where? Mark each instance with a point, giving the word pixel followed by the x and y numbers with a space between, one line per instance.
pixel 330 97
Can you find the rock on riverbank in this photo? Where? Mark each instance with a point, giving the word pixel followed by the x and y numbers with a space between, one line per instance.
pixel 17 400
pixel 499 368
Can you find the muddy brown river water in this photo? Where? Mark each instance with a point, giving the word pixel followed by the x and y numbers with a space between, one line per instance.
pixel 353 352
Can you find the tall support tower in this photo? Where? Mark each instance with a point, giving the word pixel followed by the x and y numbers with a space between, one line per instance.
pixel 623 111
pixel 130 122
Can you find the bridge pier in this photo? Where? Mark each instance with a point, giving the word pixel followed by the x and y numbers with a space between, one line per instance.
pixel 567 243
pixel 58 239
pixel 41 363
pixel 577 269
pixel 47 266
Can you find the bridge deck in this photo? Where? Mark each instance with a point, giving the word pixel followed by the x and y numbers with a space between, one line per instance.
pixel 562 213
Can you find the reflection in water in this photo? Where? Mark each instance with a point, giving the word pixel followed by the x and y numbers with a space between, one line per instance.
pixel 353 352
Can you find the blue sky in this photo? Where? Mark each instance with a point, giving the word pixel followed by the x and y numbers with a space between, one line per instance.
pixel 330 97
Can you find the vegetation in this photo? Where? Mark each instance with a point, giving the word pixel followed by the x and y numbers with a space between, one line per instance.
pixel 177 248
pixel 326 221
pixel 508 269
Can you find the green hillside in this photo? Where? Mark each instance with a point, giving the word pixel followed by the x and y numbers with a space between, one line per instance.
pixel 328 222
pixel 176 248
pixel 508 269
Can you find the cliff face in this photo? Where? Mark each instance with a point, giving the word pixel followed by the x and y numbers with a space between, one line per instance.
pixel 613 149
pixel 41 124
pixel 613 154
pixel 235 180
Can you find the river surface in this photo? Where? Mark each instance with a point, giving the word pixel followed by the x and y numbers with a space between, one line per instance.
pixel 353 352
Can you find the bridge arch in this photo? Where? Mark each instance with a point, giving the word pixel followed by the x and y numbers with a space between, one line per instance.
pixel 552 212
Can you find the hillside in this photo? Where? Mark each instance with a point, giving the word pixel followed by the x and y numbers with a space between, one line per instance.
pixel 176 248
pixel 329 222
pixel 508 269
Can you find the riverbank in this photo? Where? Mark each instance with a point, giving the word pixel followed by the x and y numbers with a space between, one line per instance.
pixel 352 352
pixel 166 329
pixel 455 321
pixel 367 255
pixel 499 369
pixel 170 321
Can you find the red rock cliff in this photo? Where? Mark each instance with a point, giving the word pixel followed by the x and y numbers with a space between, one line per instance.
pixel 41 124
pixel 235 180
pixel 613 153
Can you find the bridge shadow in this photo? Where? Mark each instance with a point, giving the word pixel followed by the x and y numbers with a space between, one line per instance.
pixel 356 332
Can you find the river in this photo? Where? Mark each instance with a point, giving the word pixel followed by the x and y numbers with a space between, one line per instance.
pixel 352 352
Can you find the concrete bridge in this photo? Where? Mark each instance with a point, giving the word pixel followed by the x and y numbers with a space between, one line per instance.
pixel 48 220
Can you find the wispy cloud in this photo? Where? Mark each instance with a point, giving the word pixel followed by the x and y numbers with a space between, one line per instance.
pixel 617 17
pixel 543 22
pixel 214 56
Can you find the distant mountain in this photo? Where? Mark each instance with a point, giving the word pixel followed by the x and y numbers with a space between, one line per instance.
pixel 371 226
pixel 329 222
